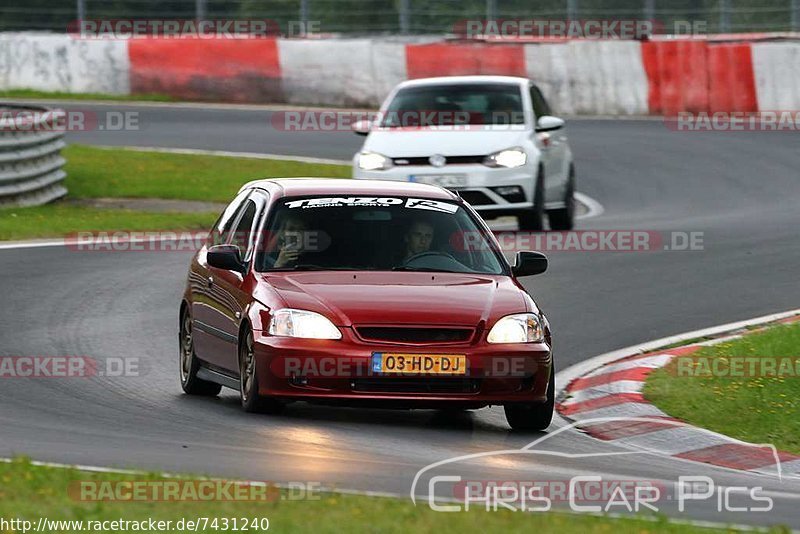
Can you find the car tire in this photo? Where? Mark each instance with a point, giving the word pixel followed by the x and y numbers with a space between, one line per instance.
pixel 532 220
pixel 188 364
pixel 563 219
pixel 252 402
pixel 535 416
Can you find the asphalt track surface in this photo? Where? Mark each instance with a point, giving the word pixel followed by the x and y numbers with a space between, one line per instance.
pixel 740 189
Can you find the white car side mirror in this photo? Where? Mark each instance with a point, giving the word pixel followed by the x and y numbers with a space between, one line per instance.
pixel 548 123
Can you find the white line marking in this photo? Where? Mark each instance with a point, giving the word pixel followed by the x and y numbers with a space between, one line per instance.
pixel 30 244
pixel 594 207
pixel 625 409
pixel 611 389
pixel 651 362
pixel 228 154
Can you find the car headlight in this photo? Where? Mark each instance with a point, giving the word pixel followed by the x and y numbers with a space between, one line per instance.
pixel 520 328
pixel 372 161
pixel 509 158
pixel 301 323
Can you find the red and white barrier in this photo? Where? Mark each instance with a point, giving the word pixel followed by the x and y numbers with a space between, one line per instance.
pixel 661 77
pixel 777 75
pixel 207 69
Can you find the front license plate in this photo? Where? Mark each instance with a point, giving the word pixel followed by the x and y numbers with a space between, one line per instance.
pixel 442 180
pixel 419 364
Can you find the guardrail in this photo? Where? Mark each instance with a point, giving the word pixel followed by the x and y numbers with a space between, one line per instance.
pixel 31 139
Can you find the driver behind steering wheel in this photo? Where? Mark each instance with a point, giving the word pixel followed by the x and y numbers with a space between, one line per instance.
pixel 418 239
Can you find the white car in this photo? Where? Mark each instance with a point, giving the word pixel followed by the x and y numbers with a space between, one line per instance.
pixel 491 138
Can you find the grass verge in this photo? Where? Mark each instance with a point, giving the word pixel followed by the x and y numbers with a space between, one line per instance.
pixel 60 219
pixel 30 492
pixel 757 409
pixel 118 173
pixel 95 172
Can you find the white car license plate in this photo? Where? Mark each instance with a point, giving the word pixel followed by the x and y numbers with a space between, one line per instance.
pixel 442 180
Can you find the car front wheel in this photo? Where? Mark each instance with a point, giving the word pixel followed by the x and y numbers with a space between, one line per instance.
pixel 563 219
pixel 532 219
pixel 252 402
pixel 534 416
pixel 189 365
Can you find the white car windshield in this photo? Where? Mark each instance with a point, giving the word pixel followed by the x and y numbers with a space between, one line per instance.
pixel 455 104
pixel 376 234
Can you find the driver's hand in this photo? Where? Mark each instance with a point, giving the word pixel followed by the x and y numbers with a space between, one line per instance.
pixel 287 256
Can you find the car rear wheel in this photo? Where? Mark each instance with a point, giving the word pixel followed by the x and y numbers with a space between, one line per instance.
pixel 189 365
pixel 527 417
pixel 564 218
pixel 252 402
pixel 532 220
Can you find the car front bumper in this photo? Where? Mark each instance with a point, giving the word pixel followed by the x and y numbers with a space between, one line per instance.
pixel 480 187
pixel 340 370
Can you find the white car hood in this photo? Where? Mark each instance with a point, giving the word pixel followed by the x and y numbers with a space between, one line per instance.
pixel 410 143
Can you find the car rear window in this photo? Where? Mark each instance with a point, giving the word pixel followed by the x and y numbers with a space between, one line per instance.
pixel 447 104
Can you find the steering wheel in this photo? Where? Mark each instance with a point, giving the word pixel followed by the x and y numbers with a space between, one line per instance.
pixel 428 254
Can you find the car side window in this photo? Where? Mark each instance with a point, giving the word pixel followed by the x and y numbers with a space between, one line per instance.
pixel 242 234
pixel 540 106
pixel 221 228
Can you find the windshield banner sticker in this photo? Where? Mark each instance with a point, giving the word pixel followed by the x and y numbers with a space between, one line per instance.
pixel 374 202
pixel 432 205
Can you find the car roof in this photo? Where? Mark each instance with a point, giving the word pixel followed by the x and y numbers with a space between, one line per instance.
pixel 298 187
pixel 453 80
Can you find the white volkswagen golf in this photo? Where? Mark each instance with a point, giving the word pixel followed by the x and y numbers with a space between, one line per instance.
pixel 491 138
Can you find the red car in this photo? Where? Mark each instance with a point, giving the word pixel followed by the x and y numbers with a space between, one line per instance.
pixel 371 292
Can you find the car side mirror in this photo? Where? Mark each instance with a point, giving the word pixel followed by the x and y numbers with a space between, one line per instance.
pixel 530 264
pixel 548 123
pixel 225 257
pixel 362 127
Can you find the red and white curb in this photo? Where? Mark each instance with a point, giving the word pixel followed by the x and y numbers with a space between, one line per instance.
pixel 604 400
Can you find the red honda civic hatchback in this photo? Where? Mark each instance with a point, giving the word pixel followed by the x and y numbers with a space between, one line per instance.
pixel 375 292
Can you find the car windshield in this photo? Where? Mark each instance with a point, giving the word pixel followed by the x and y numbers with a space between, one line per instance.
pixel 455 104
pixel 375 234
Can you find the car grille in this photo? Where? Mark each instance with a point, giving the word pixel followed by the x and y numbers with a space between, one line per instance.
pixel 475 198
pixel 451 160
pixel 417 385
pixel 414 335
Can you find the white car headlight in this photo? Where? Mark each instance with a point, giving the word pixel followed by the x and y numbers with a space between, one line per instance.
pixel 520 328
pixel 509 158
pixel 372 161
pixel 301 323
